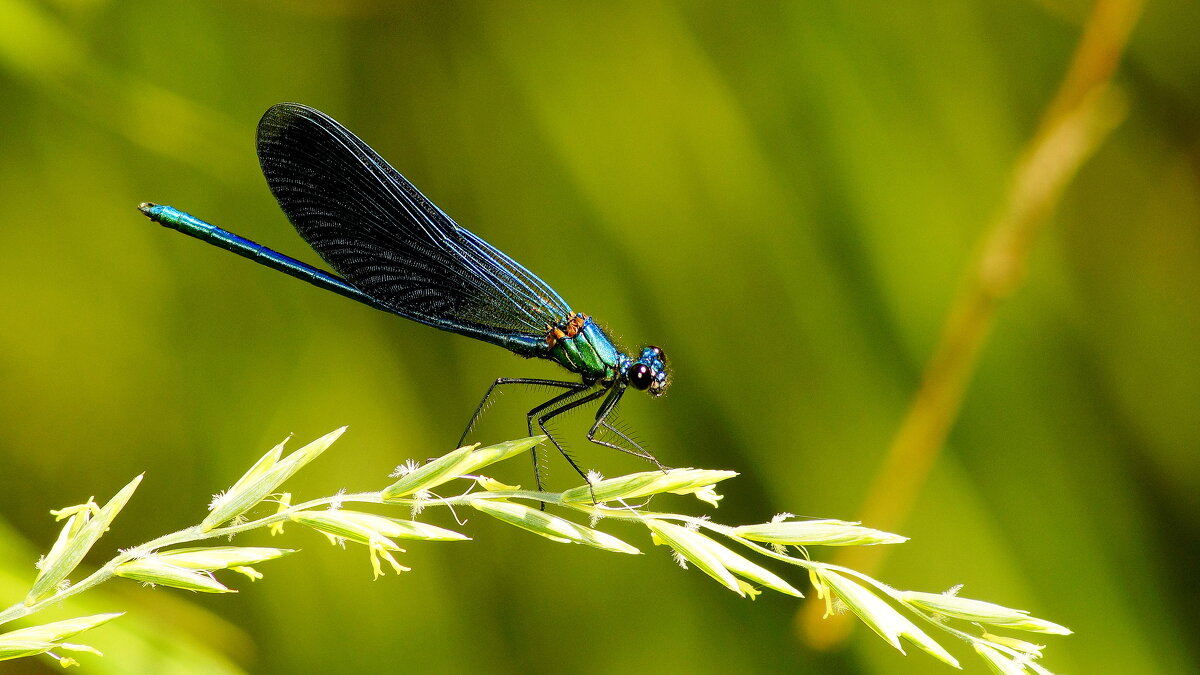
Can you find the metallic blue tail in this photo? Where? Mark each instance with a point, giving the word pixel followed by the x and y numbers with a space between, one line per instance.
pixel 173 218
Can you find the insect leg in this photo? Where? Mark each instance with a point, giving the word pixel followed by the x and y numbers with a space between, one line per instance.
pixel 569 405
pixel 573 389
pixel 510 380
pixel 601 421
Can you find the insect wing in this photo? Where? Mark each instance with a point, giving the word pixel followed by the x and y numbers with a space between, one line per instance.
pixel 373 227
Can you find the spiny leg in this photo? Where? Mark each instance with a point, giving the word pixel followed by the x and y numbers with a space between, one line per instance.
pixel 562 399
pixel 569 405
pixel 565 400
pixel 511 380
pixel 601 421
pixel 634 448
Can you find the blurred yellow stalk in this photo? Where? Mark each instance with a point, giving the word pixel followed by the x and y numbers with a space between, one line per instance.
pixel 1084 110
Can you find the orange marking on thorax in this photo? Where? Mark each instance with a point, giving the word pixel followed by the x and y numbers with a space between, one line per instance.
pixel 570 329
pixel 575 325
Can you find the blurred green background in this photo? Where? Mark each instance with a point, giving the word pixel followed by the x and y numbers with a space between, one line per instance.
pixel 782 195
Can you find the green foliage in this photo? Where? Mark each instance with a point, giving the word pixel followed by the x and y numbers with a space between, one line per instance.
pixel 783 195
pixel 694 540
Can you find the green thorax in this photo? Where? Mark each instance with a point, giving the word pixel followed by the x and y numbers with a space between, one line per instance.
pixel 586 351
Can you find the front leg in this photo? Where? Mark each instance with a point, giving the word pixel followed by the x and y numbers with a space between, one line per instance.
pixel 634 447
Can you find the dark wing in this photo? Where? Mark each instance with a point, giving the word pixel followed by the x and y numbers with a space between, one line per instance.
pixel 375 228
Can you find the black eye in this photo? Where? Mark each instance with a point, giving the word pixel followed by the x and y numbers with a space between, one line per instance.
pixel 657 352
pixel 639 376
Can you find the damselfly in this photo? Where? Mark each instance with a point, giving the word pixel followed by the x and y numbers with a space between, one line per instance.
pixel 394 250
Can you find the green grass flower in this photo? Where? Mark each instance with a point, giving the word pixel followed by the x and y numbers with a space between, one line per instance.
pixel 181 560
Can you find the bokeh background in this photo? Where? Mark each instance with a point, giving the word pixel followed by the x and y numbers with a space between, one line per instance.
pixel 785 196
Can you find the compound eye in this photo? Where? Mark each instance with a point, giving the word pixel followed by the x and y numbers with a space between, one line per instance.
pixel 639 376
